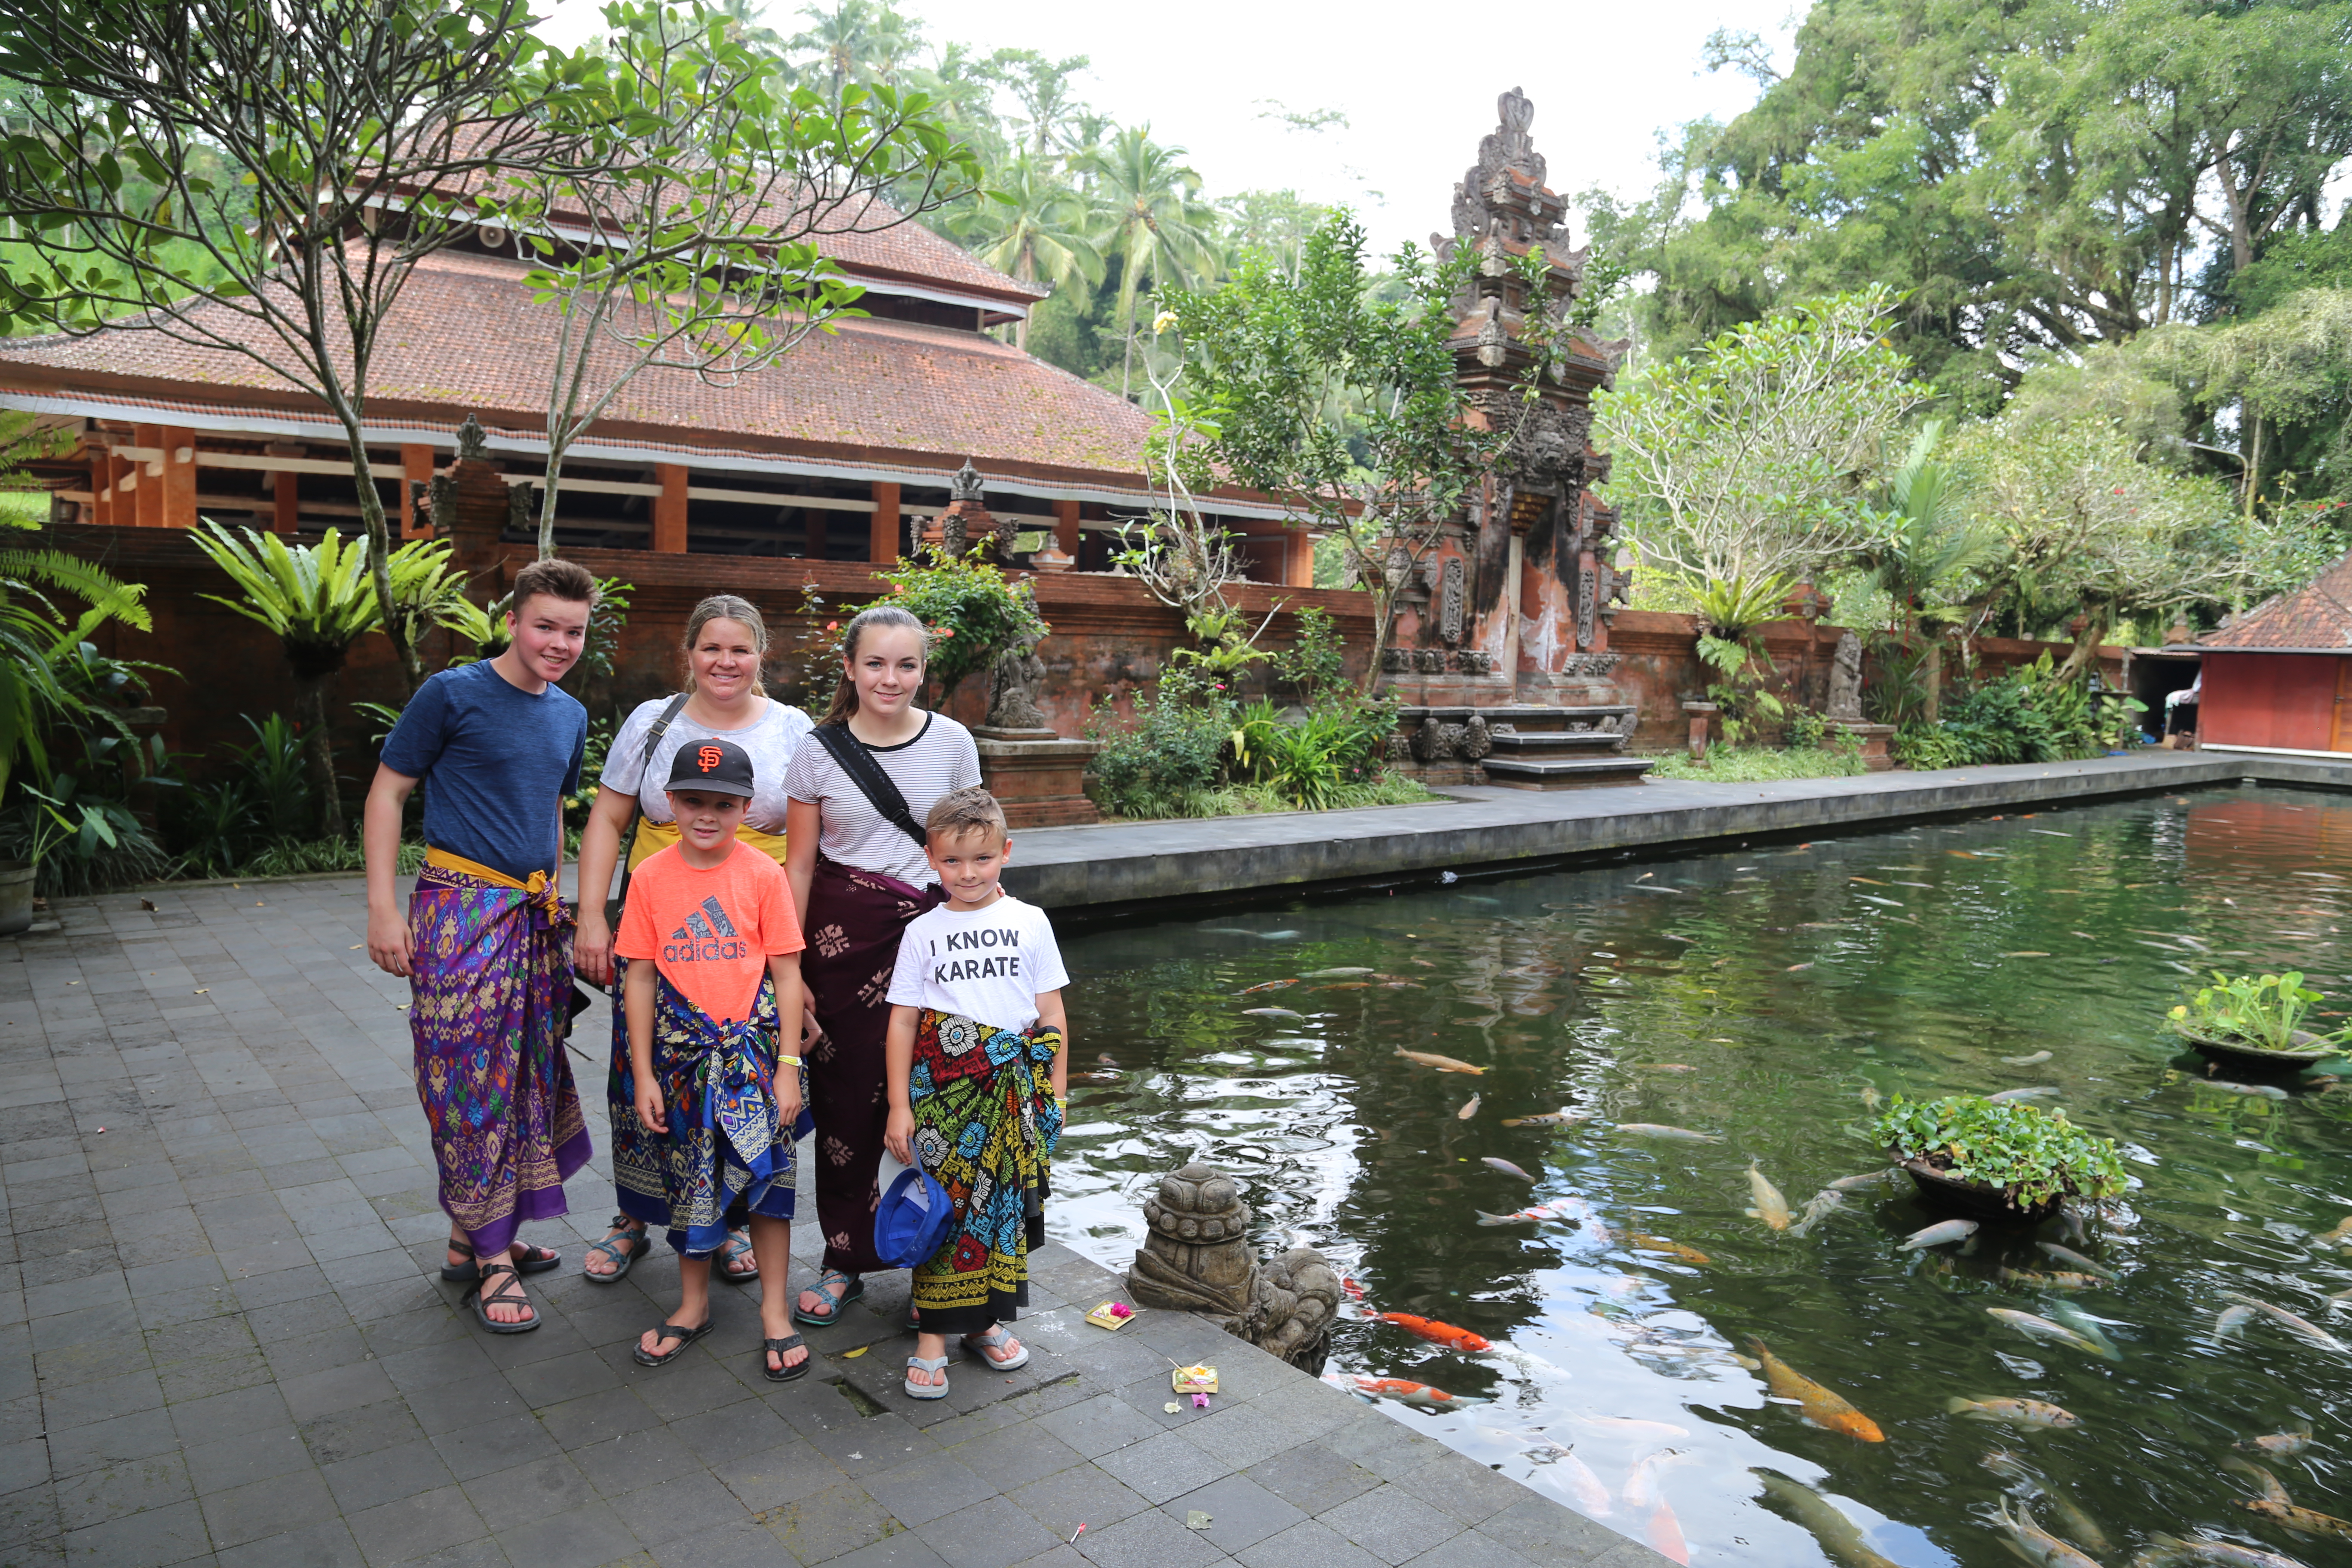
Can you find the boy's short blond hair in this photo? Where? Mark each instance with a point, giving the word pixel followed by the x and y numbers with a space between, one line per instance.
pixel 959 812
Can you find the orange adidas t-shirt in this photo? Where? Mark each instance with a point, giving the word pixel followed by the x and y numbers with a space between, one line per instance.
pixel 710 932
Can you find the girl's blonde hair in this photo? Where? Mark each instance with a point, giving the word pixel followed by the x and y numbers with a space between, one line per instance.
pixel 726 607
pixel 844 694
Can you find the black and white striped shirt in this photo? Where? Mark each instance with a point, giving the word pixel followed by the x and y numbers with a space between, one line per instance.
pixel 941 758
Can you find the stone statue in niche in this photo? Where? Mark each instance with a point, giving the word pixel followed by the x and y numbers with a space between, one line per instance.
pixel 1846 681
pixel 1196 1258
pixel 1587 601
pixel 1013 681
pixel 1451 593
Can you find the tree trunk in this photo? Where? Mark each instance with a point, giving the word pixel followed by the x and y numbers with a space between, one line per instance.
pixel 2086 651
pixel 379 543
pixel 1932 677
pixel 321 752
pixel 2252 479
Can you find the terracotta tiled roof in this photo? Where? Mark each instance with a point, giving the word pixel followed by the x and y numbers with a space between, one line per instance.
pixel 467 336
pixel 2317 616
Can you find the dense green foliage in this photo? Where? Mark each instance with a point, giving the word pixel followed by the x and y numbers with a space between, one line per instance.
pixel 2032 1155
pixel 2028 715
pixel 2266 1010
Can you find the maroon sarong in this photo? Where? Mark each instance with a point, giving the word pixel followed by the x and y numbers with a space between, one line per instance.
pixel 854 923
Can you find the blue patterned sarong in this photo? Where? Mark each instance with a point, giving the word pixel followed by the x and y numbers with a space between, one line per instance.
pixel 724 1147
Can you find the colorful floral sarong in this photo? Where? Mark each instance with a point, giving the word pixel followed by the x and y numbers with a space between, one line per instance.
pixel 490 969
pixel 853 921
pixel 986 1125
pixel 726 1148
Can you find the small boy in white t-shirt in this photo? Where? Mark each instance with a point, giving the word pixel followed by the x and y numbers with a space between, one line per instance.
pixel 978 1070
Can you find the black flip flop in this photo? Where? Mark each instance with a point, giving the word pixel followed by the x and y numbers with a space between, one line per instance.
pixel 469 1272
pixel 511 1293
pixel 789 1342
pixel 678 1331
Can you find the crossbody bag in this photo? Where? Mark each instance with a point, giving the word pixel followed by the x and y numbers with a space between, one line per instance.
pixel 875 785
pixel 637 808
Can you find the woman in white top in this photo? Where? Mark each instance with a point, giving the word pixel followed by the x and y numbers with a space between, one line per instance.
pixel 858 878
pixel 725 640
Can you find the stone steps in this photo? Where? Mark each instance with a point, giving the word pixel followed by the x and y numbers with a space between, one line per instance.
pixel 1565 773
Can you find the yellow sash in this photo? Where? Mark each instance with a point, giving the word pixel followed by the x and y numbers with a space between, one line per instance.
pixel 537 887
pixel 653 836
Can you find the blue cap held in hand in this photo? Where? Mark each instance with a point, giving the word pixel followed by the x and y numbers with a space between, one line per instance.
pixel 914 1217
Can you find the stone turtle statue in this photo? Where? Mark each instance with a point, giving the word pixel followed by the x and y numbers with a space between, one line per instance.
pixel 1197 1258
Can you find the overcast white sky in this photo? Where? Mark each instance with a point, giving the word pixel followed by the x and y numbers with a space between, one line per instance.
pixel 1417 83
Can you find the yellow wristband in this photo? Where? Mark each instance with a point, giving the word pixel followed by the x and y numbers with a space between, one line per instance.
pixel 788 1061
pixel 1063 1100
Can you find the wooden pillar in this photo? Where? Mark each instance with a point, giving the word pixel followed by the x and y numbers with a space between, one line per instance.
pixel 101 487
pixel 285 501
pixel 882 536
pixel 1067 536
pixel 1297 558
pixel 813 536
pixel 415 468
pixel 669 509
pixel 148 497
pixel 178 484
pixel 123 510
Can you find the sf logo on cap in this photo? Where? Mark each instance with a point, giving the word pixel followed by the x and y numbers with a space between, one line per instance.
pixel 708 758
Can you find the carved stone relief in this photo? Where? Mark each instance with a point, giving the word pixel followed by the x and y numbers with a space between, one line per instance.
pixel 1450 601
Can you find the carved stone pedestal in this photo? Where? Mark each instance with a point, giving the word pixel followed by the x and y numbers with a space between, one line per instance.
pixel 1876 757
pixel 1196 1258
pixel 1038 777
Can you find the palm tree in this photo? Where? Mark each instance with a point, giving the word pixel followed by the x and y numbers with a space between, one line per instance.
pixel 1930 544
pixel 318 600
pixel 1158 225
pixel 840 38
pixel 1033 227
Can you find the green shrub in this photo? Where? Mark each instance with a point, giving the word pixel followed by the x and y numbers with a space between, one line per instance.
pixel 973 613
pixel 2025 716
pixel 1175 749
pixel 1805 728
pixel 2032 1155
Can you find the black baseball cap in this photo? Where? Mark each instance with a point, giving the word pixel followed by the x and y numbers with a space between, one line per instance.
pixel 722 767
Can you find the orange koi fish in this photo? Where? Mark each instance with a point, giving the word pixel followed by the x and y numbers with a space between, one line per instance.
pixel 1436 1332
pixel 1823 1408
pixel 1399 1389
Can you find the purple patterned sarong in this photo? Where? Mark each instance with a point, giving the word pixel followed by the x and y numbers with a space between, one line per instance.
pixel 491 974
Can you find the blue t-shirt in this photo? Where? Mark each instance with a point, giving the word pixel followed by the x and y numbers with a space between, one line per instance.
pixel 495 761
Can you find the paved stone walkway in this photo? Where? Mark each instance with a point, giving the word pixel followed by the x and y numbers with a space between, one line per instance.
pixel 225 1343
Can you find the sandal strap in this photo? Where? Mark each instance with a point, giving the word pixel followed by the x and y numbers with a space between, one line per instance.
pixel 928 1363
pixel 509 1291
pixel 610 1245
pixel 789 1342
pixel 674 1332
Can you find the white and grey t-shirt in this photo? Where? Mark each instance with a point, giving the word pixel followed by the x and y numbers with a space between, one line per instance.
pixel 990 964
pixel 771 741
pixel 939 760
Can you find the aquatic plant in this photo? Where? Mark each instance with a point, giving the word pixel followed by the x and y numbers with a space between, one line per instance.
pixel 2264 1010
pixel 2032 1155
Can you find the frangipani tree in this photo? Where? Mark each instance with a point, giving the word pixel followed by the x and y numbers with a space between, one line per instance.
pixel 685 231
pixel 1753 459
pixel 262 179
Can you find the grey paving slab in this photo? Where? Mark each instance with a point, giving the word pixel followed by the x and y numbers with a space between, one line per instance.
pixel 229 1344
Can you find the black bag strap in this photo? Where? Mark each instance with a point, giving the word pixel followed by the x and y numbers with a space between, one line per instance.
pixel 637 796
pixel 872 782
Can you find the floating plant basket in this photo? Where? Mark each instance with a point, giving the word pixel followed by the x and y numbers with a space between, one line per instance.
pixel 2237 1051
pixel 1941 1189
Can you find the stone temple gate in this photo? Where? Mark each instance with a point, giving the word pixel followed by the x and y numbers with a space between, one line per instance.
pixel 1501 653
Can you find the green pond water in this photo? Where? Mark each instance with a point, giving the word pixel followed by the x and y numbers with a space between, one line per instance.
pixel 1763 996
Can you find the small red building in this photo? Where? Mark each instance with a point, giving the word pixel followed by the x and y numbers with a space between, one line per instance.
pixel 2277 678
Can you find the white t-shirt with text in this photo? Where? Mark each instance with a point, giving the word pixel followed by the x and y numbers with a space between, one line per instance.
pixel 989 965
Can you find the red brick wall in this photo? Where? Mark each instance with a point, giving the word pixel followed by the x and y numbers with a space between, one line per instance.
pixel 1110 636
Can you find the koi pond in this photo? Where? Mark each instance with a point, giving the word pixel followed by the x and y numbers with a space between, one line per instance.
pixel 1770 998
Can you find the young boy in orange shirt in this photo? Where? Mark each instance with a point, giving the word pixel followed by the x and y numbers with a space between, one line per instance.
pixel 715 917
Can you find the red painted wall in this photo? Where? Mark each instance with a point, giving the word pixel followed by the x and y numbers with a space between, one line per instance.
pixel 2285 700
